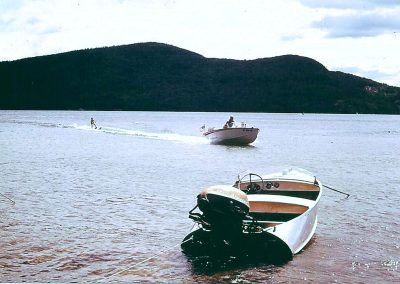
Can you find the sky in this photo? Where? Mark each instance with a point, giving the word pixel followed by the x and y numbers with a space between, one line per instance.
pixel 353 36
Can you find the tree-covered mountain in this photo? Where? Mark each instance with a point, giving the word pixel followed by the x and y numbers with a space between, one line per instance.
pixel 160 77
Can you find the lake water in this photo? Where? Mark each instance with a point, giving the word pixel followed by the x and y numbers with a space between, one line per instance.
pixel 111 205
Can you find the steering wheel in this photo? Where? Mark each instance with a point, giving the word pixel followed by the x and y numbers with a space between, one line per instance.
pixel 253 186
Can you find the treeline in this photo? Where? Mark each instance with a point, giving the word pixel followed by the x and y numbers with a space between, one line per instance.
pixel 160 77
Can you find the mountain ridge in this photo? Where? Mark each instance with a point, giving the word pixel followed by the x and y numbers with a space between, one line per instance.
pixel 160 77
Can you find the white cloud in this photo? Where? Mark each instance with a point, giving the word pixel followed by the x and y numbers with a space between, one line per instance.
pixel 350 4
pixel 389 77
pixel 360 24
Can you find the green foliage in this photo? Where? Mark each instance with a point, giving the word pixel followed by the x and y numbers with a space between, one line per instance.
pixel 160 77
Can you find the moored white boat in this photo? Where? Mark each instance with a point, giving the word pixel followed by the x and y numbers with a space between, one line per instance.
pixel 274 215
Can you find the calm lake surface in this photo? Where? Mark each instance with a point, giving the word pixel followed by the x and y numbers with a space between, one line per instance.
pixel 111 205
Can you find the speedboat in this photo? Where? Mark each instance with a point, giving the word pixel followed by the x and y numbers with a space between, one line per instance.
pixel 232 135
pixel 273 215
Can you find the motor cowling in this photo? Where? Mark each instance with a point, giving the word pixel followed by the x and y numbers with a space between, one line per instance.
pixel 223 203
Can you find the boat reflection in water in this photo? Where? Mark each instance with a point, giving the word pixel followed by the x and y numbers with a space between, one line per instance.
pixel 272 216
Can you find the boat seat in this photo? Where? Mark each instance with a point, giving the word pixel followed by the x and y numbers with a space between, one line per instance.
pixel 311 195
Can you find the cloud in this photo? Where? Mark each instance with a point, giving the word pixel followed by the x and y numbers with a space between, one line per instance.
pixel 357 18
pixel 391 78
pixel 364 73
pixel 291 37
pixel 347 4
pixel 359 25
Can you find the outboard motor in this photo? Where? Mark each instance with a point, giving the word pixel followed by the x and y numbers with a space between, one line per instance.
pixel 222 211
pixel 223 207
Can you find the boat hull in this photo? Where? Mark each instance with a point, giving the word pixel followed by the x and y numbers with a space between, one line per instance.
pixel 277 226
pixel 297 232
pixel 232 136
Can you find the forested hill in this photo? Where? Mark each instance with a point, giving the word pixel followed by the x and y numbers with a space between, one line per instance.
pixel 160 77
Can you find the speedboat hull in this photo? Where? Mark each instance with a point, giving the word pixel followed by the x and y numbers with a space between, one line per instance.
pixel 232 136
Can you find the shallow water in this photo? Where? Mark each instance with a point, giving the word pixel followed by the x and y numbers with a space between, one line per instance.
pixel 112 204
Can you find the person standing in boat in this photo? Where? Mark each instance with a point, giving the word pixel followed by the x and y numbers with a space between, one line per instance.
pixel 229 123
pixel 93 123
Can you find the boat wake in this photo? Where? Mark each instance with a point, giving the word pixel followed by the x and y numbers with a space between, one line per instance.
pixel 165 135
pixel 169 136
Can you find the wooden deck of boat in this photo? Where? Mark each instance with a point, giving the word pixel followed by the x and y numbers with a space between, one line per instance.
pixel 272 210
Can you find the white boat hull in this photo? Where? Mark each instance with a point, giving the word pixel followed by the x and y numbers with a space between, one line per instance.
pixel 297 232
pixel 232 136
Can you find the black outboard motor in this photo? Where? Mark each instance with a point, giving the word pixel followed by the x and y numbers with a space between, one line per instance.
pixel 223 207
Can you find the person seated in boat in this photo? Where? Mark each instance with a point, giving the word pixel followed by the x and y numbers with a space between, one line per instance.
pixel 229 123
pixel 93 123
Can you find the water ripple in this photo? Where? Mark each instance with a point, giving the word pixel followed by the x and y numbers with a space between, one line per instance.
pixel 90 203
